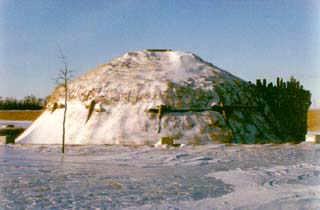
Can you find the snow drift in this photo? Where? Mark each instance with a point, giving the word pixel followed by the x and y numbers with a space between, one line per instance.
pixel 143 96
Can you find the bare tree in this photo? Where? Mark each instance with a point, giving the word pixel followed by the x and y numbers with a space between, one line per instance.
pixel 63 77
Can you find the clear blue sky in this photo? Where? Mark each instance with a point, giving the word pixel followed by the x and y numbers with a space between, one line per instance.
pixel 250 39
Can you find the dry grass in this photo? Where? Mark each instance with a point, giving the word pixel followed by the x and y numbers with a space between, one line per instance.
pixel 313 117
pixel 20 115
pixel 314 120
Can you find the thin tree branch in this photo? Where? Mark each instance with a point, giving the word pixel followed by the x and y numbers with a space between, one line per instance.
pixel 63 77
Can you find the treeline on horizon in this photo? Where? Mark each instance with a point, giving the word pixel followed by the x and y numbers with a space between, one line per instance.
pixel 27 103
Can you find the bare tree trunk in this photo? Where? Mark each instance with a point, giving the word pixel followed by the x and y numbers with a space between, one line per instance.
pixel 63 77
pixel 64 114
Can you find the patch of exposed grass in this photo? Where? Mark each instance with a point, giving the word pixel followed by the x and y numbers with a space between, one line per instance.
pixel 20 115
pixel 314 120
pixel 115 185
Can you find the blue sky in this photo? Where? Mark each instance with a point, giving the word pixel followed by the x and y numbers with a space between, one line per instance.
pixel 250 39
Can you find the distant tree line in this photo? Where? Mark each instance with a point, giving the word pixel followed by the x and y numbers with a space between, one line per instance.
pixel 27 103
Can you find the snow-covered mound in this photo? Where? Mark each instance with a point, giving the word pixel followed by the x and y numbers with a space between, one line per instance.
pixel 143 96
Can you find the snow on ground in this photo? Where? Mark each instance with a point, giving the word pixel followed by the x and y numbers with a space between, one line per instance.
pixel 193 177
pixel 21 123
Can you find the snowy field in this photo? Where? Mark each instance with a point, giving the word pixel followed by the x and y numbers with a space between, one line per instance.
pixel 20 124
pixel 193 177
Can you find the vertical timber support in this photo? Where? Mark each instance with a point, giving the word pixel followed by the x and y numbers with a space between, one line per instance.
pixel 90 109
pixel 54 107
pixel 225 116
pixel 160 110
